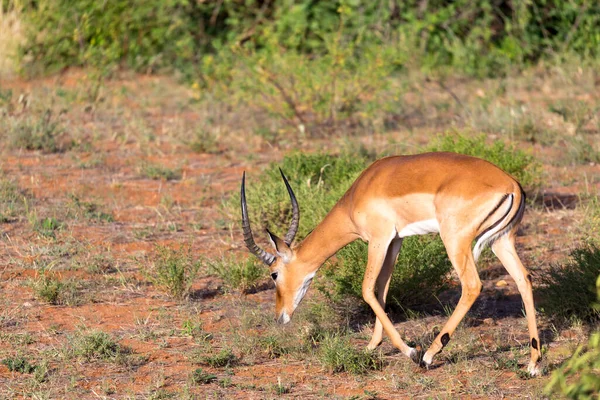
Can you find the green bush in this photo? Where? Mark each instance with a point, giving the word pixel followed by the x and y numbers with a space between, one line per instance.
pixel 568 290
pixel 318 180
pixel 481 38
pixel 579 378
pixel 420 273
pixel 522 166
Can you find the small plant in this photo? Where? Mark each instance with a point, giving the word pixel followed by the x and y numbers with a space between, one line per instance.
pixel 224 358
pixel 199 377
pixel 89 210
pixel 242 275
pixel 48 227
pixel 204 141
pixel 19 364
pixel 279 388
pixel 11 200
pixel 157 172
pixel 579 378
pixel 98 345
pixel 337 354
pixel 174 270
pixel 45 134
pixel 568 291
pixel 48 289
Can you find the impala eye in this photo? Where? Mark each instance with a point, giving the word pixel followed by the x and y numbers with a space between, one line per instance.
pixel 274 276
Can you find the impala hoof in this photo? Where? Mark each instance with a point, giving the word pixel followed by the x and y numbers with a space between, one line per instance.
pixel 534 370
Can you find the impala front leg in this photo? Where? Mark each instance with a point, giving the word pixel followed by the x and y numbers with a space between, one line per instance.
pixel 377 255
pixel 383 285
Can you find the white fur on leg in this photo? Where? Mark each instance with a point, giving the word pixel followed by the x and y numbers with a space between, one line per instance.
pixel 534 369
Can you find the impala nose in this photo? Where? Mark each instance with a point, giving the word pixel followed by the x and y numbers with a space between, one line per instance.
pixel 284 318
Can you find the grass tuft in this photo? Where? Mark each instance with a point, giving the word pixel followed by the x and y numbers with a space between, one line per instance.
pixel 244 275
pixel 199 377
pixel 174 270
pixel 224 358
pixel 19 364
pixel 337 354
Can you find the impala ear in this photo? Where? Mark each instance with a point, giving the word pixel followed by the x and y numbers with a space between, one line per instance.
pixel 281 247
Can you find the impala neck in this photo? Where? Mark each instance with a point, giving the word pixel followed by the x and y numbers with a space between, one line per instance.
pixel 334 232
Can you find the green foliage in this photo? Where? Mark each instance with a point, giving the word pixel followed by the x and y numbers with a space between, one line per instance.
pixel 316 95
pixel 199 377
pixel 48 226
pixel 19 364
pixel 98 345
pixel 158 172
pixel 522 166
pixel 318 180
pixel 89 210
pixel 143 35
pixel 479 38
pixel 420 272
pixel 224 358
pixel 579 378
pixel 174 270
pixel 568 290
pixel 244 275
pixel 54 291
pixel 337 354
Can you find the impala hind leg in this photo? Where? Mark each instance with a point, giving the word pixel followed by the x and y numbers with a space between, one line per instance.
pixel 378 250
pixel 383 285
pixel 504 248
pixel 464 265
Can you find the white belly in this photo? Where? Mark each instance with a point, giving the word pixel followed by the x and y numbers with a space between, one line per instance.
pixel 420 228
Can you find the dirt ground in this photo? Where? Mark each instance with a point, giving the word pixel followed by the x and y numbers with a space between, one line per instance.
pixel 139 121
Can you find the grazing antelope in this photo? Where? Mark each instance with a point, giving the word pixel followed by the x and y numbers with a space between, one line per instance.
pixel 463 198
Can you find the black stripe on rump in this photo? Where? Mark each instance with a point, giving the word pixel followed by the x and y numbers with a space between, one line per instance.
pixel 502 200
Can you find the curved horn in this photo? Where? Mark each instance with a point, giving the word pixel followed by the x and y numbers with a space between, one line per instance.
pixel 248 239
pixel 289 237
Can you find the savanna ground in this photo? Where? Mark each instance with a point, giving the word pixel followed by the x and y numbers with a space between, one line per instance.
pixel 142 165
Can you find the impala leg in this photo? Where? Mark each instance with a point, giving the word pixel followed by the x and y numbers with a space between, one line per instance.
pixel 464 265
pixel 504 248
pixel 383 285
pixel 378 249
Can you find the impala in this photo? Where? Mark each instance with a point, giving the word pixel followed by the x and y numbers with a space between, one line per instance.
pixel 464 198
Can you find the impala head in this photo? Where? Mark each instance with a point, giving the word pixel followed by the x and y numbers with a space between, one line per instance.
pixel 291 282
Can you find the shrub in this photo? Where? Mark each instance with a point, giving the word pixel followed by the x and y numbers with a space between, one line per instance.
pixel 99 345
pixel 420 273
pixel 568 290
pixel 174 270
pixel 522 166
pixel 318 180
pixel 578 378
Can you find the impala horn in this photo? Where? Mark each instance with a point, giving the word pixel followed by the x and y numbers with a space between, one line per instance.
pixel 265 257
